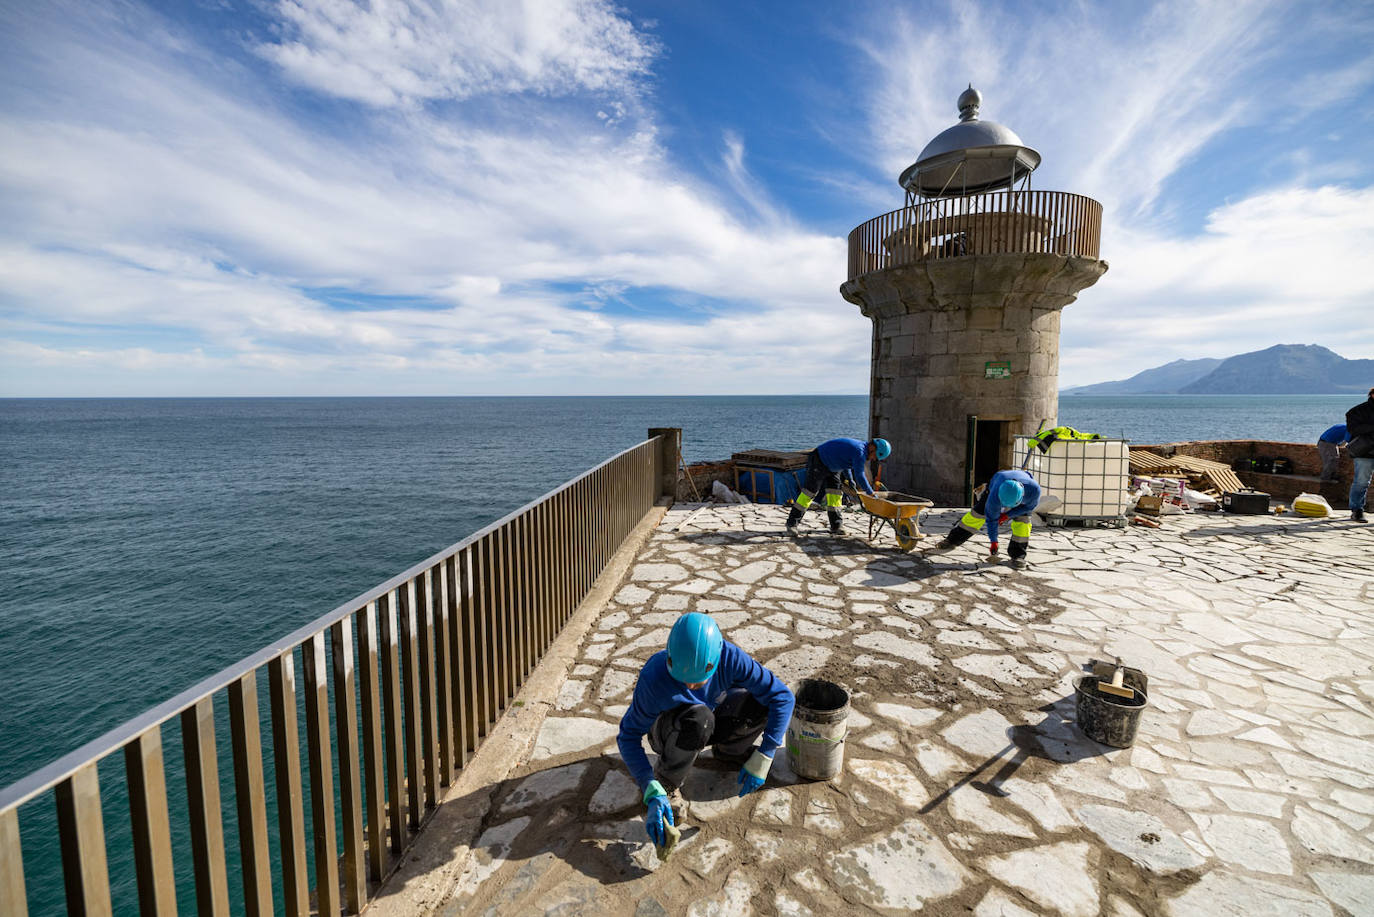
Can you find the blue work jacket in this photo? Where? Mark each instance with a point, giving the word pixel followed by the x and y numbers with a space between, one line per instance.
pixel 845 455
pixel 995 509
pixel 657 692
pixel 1337 433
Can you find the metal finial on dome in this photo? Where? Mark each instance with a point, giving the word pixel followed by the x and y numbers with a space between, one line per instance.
pixel 971 157
pixel 969 101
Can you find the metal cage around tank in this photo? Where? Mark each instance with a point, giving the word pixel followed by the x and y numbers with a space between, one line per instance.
pixel 1090 477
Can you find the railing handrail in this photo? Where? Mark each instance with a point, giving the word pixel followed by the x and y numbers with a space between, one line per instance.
pixel 1073 224
pixel 50 775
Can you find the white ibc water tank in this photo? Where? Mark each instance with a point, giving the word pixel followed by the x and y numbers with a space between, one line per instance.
pixel 1090 477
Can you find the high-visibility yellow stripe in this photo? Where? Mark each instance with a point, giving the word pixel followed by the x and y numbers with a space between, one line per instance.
pixel 833 500
pixel 803 499
pixel 1020 528
pixel 971 521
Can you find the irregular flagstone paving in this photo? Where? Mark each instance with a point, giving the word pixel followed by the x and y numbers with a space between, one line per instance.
pixel 967 786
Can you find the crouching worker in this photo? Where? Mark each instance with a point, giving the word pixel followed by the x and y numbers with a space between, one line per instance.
pixel 1009 496
pixel 702 690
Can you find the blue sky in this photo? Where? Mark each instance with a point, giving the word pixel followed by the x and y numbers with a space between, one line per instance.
pixel 320 197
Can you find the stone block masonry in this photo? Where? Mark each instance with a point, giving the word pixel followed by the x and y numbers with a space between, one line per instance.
pixel 936 326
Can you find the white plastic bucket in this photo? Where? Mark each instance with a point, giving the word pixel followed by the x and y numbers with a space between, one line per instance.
pixel 816 734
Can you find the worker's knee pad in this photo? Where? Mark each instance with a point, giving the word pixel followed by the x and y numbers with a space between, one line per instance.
pixel 695 724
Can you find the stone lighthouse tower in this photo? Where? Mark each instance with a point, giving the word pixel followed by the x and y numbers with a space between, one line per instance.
pixel 964 285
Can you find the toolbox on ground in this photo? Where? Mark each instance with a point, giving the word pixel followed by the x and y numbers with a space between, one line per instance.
pixel 1246 502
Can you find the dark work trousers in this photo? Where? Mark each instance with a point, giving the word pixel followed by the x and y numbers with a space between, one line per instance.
pixel 1331 460
pixel 679 734
pixel 819 479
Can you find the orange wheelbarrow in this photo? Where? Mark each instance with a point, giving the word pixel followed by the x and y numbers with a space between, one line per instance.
pixel 901 511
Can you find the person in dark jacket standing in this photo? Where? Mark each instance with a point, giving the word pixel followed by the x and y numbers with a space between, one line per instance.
pixel 1359 424
pixel 827 464
pixel 1329 448
pixel 701 690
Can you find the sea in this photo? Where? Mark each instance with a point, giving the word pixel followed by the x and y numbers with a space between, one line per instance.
pixel 148 543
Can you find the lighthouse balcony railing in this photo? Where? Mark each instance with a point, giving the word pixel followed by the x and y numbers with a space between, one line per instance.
pixel 996 222
pixel 395 689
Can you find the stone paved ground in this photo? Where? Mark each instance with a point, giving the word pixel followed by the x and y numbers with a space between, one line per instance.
pixel 967 788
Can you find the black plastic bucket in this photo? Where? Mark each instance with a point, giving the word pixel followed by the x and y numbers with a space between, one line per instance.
pixel 1107 718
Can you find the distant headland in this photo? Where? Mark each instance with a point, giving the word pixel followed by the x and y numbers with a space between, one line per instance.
pixel 1284 369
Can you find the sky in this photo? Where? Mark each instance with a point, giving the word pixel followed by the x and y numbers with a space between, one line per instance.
pixel 449 197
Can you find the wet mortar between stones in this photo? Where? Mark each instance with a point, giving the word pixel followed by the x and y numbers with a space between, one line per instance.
pixel 967 788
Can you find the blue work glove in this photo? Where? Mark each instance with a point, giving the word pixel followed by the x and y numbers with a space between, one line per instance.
pixel 659 812
pixel 754 772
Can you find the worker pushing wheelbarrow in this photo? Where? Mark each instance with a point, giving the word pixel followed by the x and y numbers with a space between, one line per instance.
pixel 829 469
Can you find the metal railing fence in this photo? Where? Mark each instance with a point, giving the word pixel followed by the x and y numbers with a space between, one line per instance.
pixel 416 672
pixel 996 222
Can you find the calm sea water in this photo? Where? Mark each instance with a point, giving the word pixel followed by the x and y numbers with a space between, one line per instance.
pixel 148 543
pixel 1171 418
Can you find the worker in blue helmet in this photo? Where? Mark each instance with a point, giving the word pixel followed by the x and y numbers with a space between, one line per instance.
pixel 1009 497
pixel 701 690
pixel 826 468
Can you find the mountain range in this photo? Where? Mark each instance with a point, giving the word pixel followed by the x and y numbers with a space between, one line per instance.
pixel 1284 369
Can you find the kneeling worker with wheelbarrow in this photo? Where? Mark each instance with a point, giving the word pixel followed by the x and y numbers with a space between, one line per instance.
pixel 1010 495
pixel 826 466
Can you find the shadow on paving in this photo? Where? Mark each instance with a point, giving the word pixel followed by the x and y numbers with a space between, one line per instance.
pixel 542 818
pixel 1024 743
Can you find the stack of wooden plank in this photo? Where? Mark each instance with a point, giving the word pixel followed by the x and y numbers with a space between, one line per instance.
pixel 770 458
pixel 1202 474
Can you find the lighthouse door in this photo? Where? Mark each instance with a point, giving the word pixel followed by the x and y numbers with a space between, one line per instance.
pixel 988 451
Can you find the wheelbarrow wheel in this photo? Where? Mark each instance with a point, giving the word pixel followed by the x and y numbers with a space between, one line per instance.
pixel 907 533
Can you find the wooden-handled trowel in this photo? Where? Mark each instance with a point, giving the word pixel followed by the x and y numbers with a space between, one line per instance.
pixel 1115 687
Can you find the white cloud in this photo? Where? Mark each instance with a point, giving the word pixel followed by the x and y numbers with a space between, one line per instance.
pixel 393 52
pixel 1124 98
pixel 1284 266
pixel 216 225
pixel 503 213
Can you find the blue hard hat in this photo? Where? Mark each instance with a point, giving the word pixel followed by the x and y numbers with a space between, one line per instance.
pixel 693 648
pixel 1009 493
pixel 881 449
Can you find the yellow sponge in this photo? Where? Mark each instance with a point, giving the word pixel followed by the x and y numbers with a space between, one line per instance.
pixel 673 835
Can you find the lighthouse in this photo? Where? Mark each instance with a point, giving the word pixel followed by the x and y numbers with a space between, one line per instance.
pixel 964 285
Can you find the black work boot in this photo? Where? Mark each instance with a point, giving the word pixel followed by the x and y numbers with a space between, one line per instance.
pixel 794 518
pixel 1357 515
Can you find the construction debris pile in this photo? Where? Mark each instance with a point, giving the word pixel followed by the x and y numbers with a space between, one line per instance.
pixel 1177 483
